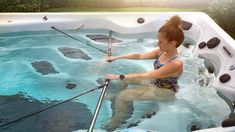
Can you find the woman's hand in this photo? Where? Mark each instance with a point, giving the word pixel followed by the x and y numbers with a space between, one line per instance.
pixel 112 76
pixel 111 58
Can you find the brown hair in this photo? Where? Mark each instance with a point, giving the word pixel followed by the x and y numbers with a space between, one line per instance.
pixel 173 30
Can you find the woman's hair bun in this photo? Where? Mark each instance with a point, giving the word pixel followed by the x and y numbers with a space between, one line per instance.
pixel 175 20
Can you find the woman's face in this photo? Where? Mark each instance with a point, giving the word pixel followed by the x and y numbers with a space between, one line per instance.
pixel 163 43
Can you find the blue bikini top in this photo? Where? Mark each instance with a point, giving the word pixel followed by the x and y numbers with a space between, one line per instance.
pixel 157 63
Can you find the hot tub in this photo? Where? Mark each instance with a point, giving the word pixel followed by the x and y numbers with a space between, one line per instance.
pixel 209 41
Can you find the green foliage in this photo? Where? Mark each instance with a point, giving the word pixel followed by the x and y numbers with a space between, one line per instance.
pixel 19 5
pixel 57 3
pixel 223 12
pixel 125 9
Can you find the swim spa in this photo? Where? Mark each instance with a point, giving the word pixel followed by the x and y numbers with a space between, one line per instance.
pixel 77 60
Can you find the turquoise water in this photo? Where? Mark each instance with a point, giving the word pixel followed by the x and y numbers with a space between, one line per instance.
pixel 194 104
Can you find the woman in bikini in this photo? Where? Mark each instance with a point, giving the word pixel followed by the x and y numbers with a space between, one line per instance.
pixel 161 82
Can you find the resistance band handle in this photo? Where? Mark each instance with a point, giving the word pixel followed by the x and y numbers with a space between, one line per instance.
pixel 109 54
pixel 107 82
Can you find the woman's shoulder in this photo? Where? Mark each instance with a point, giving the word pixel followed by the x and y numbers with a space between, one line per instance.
pixel 178 62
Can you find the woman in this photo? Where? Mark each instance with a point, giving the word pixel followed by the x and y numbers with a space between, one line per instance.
pixel 167 68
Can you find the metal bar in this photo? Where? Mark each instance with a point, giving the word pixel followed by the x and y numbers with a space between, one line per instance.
pixel 98 106
pixel 79 26
pixel 79 40
pixel 110 44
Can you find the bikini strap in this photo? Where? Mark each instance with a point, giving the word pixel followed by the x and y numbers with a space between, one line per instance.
pixel 160 54
pixel 172 59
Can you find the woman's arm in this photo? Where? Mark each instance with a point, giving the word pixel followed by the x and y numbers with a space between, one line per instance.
pixel 173 68
pixel 148 55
